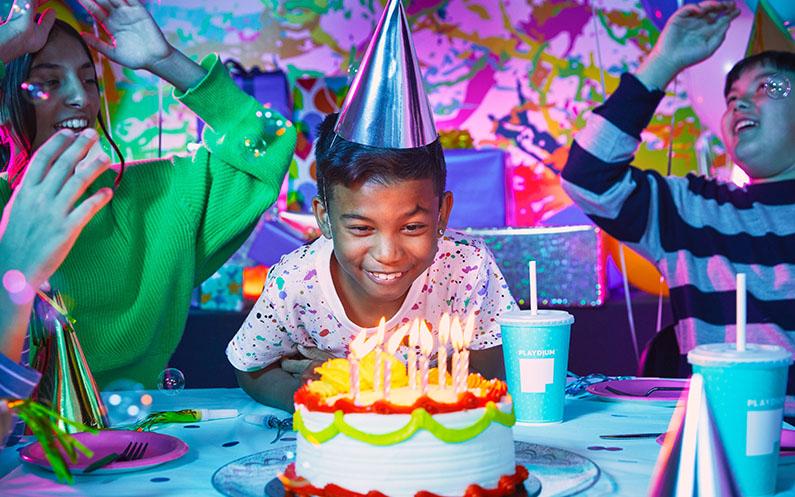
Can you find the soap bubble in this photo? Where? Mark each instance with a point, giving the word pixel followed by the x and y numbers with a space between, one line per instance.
pixel 171 381
pixel 778 86
pixel 126 401
pixel 33 92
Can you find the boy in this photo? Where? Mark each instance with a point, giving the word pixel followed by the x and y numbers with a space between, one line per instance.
pixel 698 231
pixel 382 209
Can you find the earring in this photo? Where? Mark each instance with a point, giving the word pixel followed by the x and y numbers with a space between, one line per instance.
pixel 441 231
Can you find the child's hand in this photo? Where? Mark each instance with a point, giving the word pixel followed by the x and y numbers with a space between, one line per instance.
pixel 304 368
pixel 21 34
pixel 43 218
pixel 136 40
pixel 692 34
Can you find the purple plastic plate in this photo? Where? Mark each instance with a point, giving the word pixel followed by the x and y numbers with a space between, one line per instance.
pixel 641 389
pixel 161 449
pixel 787 440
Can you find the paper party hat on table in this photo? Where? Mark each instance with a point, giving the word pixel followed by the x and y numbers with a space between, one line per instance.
pixel 386 105
pixel 692 460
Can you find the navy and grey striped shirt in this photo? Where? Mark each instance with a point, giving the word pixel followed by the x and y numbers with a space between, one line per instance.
pixel 16 382
pixel 698 231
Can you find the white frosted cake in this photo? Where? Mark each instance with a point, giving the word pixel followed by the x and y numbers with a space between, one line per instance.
pixel 441 443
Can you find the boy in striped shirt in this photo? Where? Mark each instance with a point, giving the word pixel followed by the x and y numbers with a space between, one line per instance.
pixel 698 231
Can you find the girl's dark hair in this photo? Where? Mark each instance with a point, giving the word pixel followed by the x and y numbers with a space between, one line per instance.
pixel 18 117
pixel 342 162
pixel 781 61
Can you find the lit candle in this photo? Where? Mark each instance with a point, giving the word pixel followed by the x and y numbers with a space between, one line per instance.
pixel 426 349
pixel 456 339
pixel 354 349
pixel 469 331
pixel 391 348
pixel 441 356
pixel 412 356
pixel 379 347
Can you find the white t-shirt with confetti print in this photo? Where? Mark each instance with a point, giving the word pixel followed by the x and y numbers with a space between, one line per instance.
pixel 300 306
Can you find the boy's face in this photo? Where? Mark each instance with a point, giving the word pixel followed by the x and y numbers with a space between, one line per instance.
pixel 384 237
pixel 759 131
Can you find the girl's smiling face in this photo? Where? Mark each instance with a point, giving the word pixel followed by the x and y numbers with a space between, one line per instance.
pixel 65 71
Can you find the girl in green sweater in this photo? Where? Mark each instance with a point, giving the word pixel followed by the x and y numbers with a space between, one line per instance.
pixel 172 222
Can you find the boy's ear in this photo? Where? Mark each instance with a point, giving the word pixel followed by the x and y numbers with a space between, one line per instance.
pixel 446 205
pixel 321 216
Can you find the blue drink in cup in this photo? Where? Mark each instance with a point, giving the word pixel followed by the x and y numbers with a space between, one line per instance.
pixel 536 351
pixel 745 394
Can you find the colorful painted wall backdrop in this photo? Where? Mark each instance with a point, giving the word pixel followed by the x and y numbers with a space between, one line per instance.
pixel 517 74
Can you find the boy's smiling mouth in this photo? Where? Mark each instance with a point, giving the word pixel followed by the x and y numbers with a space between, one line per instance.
pixel 384 277
pixel 744 124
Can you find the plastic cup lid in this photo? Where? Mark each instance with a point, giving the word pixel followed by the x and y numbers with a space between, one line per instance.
pixel 714 353
pixel 544 317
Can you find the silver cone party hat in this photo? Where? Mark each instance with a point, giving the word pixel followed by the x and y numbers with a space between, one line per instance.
pixel 386 105
pixel 692 461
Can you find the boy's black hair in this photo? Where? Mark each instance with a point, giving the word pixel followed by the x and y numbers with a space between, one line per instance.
pixel 347 163
pixel 781 61
pixel 17 115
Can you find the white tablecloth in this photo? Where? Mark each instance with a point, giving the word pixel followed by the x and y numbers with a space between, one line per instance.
pixel 628 470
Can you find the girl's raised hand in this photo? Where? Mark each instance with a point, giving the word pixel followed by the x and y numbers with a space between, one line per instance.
pixel 20 33
pixel 136 40
pixel 45 215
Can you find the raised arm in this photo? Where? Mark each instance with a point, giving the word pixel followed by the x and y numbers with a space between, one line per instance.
pixel 41 222
pixel 626 201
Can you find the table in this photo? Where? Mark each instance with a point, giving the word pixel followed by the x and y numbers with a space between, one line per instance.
pixel 628 470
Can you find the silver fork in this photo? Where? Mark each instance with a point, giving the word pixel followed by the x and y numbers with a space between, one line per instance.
pixel 132 452
pixel 645 394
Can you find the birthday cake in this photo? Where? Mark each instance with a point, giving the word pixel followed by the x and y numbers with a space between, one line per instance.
pixel 399 441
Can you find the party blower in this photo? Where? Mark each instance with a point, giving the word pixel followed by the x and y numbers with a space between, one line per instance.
pixel 66 385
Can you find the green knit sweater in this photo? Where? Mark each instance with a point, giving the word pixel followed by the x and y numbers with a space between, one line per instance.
pixel 171 224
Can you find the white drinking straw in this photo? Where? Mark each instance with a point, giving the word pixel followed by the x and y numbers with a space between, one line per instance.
pixel 531 267
pixel 740 312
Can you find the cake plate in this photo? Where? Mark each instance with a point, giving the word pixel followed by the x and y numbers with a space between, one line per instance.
pixel 553 472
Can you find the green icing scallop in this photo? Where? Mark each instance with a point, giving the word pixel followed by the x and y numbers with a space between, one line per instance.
pixel 420 420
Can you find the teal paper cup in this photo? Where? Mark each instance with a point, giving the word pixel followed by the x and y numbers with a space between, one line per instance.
pixel 745 394
pixel 536 351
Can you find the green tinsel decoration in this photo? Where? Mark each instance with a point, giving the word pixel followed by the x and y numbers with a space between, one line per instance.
pixel 43 423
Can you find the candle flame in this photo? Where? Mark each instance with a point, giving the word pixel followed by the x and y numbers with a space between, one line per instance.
pixel 444 330
pixel 426 339
pixel 360 346
pixel 456 334
pixel 395 340
pixel 469 329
